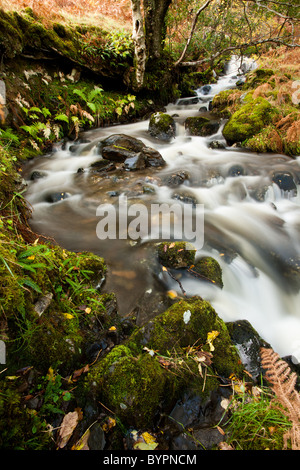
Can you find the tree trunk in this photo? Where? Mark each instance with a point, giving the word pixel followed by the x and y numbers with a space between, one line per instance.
pixel 155 15
pixel 138 37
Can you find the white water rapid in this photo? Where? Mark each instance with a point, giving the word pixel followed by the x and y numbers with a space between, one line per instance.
pixel 252 226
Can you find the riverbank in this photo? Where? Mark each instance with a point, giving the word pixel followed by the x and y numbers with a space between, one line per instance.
pixel 69 354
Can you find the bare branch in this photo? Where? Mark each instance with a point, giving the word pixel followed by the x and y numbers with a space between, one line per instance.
pixel 236 48
pixel 206 4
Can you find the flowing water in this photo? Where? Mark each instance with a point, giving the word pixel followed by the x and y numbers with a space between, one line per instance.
pixel 251 225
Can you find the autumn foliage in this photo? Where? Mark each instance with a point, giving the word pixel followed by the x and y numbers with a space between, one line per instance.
pixel 118 9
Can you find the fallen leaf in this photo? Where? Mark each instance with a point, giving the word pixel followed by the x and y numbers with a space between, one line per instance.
pixel 172 245
pixel 210 338
pixel 68 425
pixel 82 444
pixel 172 294
pixel 112 328
pixel 88 310
pixel 69 316
pixel 111 422
pixel 77 373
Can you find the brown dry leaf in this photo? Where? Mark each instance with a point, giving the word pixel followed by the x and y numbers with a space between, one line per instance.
pixel 68 425
pixel 225 446
pixel 78 372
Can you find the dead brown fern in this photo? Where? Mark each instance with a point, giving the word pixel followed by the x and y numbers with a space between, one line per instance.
pixel 283 383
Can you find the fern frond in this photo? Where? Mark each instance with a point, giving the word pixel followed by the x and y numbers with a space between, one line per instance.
pixel 283 382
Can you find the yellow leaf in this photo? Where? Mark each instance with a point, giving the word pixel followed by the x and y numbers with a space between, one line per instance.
pixel 112 328
pixel 164 268
pixel 50 375
pixel 148 438
pixel 210 338
pixel 172 294
pixel 111 422
pixel 88 310
pixel 68 316
pixel 82 444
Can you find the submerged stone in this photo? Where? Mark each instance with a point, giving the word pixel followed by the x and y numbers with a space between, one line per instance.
pixel 284 181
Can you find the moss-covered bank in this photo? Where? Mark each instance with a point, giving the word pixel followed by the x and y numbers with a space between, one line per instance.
pixel 263 114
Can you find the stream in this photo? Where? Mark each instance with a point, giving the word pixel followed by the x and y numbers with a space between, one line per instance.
pixel 251 222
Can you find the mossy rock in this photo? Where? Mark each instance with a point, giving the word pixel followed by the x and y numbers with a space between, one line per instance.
pixel 194 125
pixel 209 267
pixel 176 254
pixel 258 77
pixel 11 41
pixel 133 386
pixel 225 101
pixel 184 324
pixel 162 126
pixel 132 380
pixel 249 120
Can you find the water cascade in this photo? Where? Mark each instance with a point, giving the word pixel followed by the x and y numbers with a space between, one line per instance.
pixel 251 224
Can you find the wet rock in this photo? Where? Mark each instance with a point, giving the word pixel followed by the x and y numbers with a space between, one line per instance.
pixel 116 154
pixel 193 125
pixel 248 343
pixel 35 175
pixel 205 89
pixel 185 198
pixel 199 416
pixel 208 268
pixel 284 181
pixel 56 197
pixel 216 144
pixel 153 158
pixel 96 440
pixel 120 148
pixel 162 126
pixel 136 162
pixel 236 170
pixel 210 128
pixel 177 178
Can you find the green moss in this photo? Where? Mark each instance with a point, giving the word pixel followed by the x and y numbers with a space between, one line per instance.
pixel 162 126
pixel 258 77
pixel 11 41
pixel 176 254
pixel 226 102
pixel 249 120
pixel 210 269
pixel 169 330
pixel 131 386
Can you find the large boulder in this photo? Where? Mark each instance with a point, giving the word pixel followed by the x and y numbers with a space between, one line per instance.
pixel 135 155
pixel 249 120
